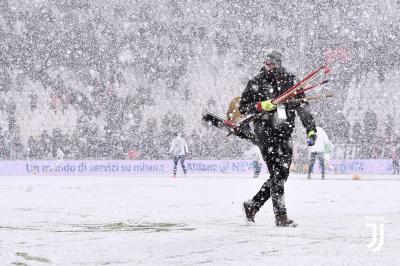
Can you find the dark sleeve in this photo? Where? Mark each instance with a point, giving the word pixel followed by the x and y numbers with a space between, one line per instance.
pixel 303 109
pixel 304 112
pixel 249 99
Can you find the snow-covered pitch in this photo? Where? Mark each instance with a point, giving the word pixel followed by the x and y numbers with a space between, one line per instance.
pixel 196 221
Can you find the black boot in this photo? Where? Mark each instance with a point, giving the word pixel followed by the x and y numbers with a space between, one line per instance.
pixel 249 210
pixel 283 221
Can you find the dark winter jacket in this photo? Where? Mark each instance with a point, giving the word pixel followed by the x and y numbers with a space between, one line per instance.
pixel 267 86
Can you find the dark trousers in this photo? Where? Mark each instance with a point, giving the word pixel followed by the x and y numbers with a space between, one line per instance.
pixel 176 160
pixel 396 168
pixel 257 168
pixel 320 157
pixel 278 157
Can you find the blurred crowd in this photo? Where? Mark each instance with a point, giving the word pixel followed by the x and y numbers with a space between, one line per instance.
pixel 97 76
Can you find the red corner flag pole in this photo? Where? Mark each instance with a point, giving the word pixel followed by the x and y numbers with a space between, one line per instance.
pixel 311 76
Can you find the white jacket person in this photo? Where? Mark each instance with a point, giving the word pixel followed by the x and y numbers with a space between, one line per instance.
pixel 178 146
pixel 322 144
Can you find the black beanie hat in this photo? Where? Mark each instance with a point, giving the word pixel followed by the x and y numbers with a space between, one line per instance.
pixel 274 57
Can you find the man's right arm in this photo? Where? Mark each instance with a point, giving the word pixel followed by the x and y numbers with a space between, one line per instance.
pixel 249 99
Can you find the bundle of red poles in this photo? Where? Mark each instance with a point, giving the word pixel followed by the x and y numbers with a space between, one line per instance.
pixel 300 87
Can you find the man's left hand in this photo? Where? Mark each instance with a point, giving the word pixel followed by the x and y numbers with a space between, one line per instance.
pixel 312 137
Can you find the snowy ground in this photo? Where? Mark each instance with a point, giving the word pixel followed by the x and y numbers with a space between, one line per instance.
pixel 190 221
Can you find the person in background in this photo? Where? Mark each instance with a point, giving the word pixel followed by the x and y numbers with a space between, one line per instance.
pixel 179 150
pixel 32 148
pixel 395 158
pixel 322 145
pixel 60 154
pixel 2 144
pixel 254 154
